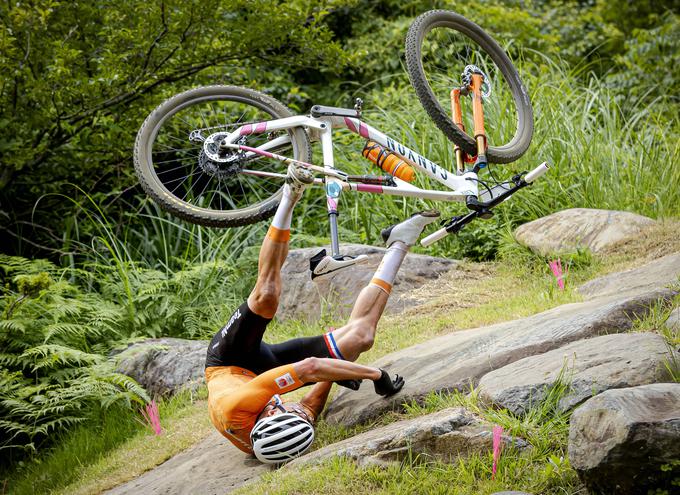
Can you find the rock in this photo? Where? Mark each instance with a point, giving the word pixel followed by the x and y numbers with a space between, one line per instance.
pixel 626 440
pixel 164 366
pixel 590 366
pixel 658 273
pixel 458 360
pixel 211 467
pixel 567 230
pixel 336 293
pixel 673 321
pixel 444 436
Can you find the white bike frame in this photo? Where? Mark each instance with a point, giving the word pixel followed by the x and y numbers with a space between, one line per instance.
pixel 460 186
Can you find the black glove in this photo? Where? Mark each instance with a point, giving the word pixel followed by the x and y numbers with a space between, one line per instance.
pixel 385 386
pixel 351 384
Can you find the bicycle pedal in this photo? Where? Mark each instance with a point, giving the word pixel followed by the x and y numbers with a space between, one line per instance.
pixel 323 264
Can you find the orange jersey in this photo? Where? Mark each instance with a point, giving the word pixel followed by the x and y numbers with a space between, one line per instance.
pixel 237 396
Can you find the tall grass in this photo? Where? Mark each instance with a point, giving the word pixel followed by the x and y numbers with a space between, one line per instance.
pixel 601 155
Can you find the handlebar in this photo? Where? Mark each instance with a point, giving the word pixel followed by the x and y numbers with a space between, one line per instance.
pixel 434 237
pixel 536 173
pixel 483 209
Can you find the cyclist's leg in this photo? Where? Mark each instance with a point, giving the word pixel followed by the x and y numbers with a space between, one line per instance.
pixel 358 334
pixel 239 342
pixel 264 298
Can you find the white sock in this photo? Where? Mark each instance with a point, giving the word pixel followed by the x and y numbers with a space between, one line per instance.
pixel 389 266
pixel 284 213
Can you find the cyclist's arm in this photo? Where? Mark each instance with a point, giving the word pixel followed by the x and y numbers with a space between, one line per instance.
pixel 331 370
pixel 315 399
pixel 251 398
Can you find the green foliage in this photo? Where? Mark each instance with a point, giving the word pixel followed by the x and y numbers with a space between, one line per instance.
pixel 88 443
pixel 649 54
pixel 51 372
pixel 56 335
pixel 78 78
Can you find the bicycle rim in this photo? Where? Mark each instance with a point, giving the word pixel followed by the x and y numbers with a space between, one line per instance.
pixel 188 177
pixel 440 46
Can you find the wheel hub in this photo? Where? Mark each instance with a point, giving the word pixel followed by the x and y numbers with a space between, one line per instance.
pixel 214 152
pixel 217 161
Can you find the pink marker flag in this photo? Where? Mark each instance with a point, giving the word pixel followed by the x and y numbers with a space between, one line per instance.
pixel 497 447
pixel 152 417
pixel 556 268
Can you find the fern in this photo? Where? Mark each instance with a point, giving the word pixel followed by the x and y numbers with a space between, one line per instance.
pixel 59 327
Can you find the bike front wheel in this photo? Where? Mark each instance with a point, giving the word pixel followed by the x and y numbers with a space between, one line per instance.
pixel 180 166
pixel 439 45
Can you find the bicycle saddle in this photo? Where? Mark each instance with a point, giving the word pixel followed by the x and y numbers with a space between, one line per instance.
pixel 322 111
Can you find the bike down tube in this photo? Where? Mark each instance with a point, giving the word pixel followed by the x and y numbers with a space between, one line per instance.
pixel 406 190
pixel 465 184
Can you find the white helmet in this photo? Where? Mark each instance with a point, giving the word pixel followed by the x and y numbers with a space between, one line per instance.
pixel 280 438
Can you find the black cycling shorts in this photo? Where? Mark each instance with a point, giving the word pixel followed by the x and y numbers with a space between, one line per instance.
pixel 239 343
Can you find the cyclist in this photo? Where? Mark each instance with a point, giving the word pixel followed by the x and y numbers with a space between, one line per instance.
pixel 246 376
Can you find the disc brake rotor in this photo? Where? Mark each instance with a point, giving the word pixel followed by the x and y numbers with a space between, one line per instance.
pixel 218 162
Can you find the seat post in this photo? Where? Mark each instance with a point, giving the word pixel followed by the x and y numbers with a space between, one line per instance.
pixel 333 190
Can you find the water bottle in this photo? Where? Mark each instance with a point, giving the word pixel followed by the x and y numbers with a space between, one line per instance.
pixel 388 161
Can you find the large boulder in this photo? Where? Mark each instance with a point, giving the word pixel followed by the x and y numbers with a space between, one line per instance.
pixel 166 365
pixel 568 230
pixel 213 466
pixel 588 367
pixel 335 293
pixel 628 440
pixel 444 436
pixel 460 359
pixel 657 273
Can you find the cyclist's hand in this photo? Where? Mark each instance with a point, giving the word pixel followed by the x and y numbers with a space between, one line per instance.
pixel 387 386
pixel 351 384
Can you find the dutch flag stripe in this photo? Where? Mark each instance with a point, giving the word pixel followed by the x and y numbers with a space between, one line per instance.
pixel 333 346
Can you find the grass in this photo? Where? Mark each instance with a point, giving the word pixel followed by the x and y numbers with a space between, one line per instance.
pixel 113 449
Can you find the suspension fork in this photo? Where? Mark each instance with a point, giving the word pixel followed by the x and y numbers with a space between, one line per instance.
pixel 478 118
pixel 458 120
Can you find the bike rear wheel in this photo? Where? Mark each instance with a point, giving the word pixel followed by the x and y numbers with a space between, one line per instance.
pixel 190 180
pixel 439 45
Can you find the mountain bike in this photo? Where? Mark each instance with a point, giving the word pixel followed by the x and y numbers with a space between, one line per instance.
pixel 217 155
